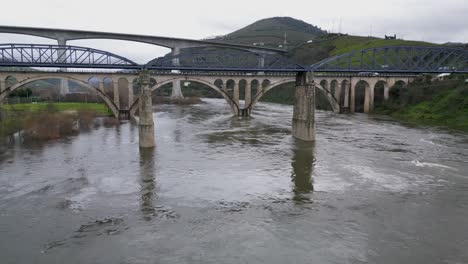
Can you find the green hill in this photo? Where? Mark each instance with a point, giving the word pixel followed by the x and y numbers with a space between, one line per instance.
pixel 273 32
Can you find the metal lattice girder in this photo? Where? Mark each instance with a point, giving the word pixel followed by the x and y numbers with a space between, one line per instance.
pixel 216 59
pixel 32 55
pixel 398 59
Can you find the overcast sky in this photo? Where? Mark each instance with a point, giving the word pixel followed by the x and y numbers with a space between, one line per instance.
pixel 428 20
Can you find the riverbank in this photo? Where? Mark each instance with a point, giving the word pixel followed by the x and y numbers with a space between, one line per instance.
pixel 434 103
pixel 99 109
pixel 45 121
pixel 424 102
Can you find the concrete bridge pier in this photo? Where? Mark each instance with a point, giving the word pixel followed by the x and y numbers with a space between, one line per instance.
pixel 235 94
pixel 115 87
pixel 303 122
pixel 352 96
pixel 130 94
pixel 369 97
pixel 247 100
pixel 64 87
pixel 146 123
pixel 176 90
pixel 390 83
pixel 346 95
pixel 248 95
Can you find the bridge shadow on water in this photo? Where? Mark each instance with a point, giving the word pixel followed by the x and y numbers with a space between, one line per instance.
pixel 303 162
pixel 147 182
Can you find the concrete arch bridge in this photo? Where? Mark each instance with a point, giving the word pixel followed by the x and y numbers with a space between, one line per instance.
pixel 120 91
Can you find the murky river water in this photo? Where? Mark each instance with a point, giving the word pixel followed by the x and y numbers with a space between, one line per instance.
pixel 222 190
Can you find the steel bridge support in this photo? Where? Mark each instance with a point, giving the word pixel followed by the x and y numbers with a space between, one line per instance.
pixel 146 123
pixel 303 122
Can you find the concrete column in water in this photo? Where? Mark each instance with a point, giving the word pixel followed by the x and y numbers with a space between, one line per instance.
pixel 303 123
pixel 146 123
pixel 115 86
pixel 347 89
pixel 338 92
pixel 130 93
pixel 235 94
pixel 367 96
pixel 261 64
pixel 64 86
pixel 248 94
pixel 352 107
pixel 369 100
pixel 390 83
pixel 176 89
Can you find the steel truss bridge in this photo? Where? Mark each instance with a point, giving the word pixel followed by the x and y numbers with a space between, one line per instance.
pixel 396 59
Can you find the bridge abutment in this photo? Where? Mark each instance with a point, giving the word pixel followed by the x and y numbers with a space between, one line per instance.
pixel 303 123
pixel 146 123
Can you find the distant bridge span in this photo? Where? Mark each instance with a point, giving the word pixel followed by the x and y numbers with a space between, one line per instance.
pixel 64 35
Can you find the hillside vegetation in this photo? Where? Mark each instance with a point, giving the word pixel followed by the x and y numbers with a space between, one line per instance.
pixel 273 32
pixel 100 109
pixel 310 53
pixel 442 103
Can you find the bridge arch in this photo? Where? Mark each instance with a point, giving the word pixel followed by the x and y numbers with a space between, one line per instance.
pixel 261 92
pixel 324 84
pixel 109 103
pixel 222 92
pixel 396 89
pixel 361 96
pixel 10 81
pixel 380 89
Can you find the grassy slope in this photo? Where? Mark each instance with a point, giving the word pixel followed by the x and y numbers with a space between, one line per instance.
pixel 442 103
pixel 314 52
pixel 271 32
pixel 449 109
pixel 324 48
pixel 101 109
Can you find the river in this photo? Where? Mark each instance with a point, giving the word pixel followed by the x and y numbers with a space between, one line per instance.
pixel 218 189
